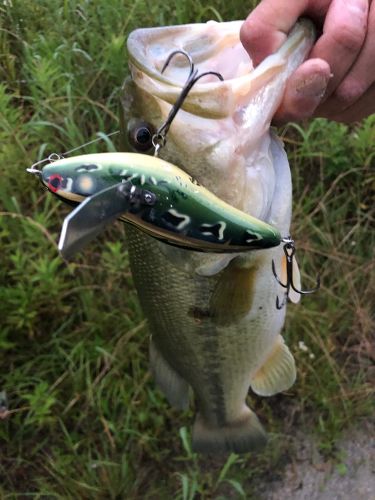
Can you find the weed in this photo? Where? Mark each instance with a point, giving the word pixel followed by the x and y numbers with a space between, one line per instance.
pixel 83 419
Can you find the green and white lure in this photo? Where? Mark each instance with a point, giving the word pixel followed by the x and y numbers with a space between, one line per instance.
pixel 152 194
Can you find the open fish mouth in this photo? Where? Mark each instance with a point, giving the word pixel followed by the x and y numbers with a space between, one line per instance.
pixel 214 47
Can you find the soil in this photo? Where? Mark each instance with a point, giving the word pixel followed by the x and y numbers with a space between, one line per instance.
pixel 311 476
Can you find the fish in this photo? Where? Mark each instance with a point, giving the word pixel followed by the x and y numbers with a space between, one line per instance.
pixel 215 330
pixel 155 196
pixel 214 325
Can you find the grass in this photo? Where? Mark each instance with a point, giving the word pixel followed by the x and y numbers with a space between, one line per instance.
pixel 84 420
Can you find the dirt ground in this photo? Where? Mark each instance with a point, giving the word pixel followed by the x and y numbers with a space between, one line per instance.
pixel 312 477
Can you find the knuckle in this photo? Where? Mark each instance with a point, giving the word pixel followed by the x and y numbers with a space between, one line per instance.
pixel 249 34
pixel 349 92
pixel 349 36
pixel 294 110
pixel 244 33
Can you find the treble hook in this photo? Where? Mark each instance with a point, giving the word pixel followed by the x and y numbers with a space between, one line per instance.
pixel 159 138
pixel 289 251
pixel 174 53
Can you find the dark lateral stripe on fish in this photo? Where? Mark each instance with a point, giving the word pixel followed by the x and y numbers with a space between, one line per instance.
pixel 211 370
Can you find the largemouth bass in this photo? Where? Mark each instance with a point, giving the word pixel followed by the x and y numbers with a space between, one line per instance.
pixel 213 320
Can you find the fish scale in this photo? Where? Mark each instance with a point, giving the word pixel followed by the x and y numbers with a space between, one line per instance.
pixel 178 301
pixel 198 344
pixel 214 359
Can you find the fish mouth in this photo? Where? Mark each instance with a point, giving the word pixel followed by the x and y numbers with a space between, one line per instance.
pixel 212 46
pixel 203 42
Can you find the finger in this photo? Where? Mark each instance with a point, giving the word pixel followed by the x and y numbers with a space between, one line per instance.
pixel 362 108
pixel 344 32
pixel 305 90
pixel 267 26
pixel 361 75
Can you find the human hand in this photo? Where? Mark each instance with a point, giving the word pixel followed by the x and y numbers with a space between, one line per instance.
pixel 338 79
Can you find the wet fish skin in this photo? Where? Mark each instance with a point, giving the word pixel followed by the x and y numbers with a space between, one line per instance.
pixel 214 324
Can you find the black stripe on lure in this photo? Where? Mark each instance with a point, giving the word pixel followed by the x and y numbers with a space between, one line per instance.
pixel 154 195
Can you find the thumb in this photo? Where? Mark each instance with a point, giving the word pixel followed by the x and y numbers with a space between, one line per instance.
pixel 304 92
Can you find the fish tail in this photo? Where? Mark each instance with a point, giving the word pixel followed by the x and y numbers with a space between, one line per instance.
pixel 241 436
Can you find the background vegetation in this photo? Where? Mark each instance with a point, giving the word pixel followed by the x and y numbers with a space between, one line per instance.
pixel 79 415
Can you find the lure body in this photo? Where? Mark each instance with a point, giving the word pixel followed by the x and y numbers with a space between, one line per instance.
pixel 160 199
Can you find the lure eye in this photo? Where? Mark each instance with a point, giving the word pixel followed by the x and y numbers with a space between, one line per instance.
pixel 140 135
pixel 54 182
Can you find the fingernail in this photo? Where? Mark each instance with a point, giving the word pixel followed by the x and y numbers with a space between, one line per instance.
pixel 315 86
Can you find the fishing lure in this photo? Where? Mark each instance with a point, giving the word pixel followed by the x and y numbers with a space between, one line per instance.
pixel 152 194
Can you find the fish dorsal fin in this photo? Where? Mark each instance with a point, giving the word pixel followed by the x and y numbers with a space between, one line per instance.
pixel 277 373
pixel 233 294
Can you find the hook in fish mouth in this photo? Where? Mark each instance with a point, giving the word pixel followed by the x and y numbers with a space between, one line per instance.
pixel 159 138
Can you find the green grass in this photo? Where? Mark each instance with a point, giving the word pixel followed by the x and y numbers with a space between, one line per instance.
pixel 85 420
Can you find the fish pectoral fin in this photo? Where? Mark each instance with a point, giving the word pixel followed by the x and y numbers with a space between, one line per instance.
pixel 242 435
pixel 233 295
pixel 277 374
pixel 174 387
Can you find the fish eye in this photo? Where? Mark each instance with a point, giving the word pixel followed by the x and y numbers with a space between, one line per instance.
pixel 140 135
